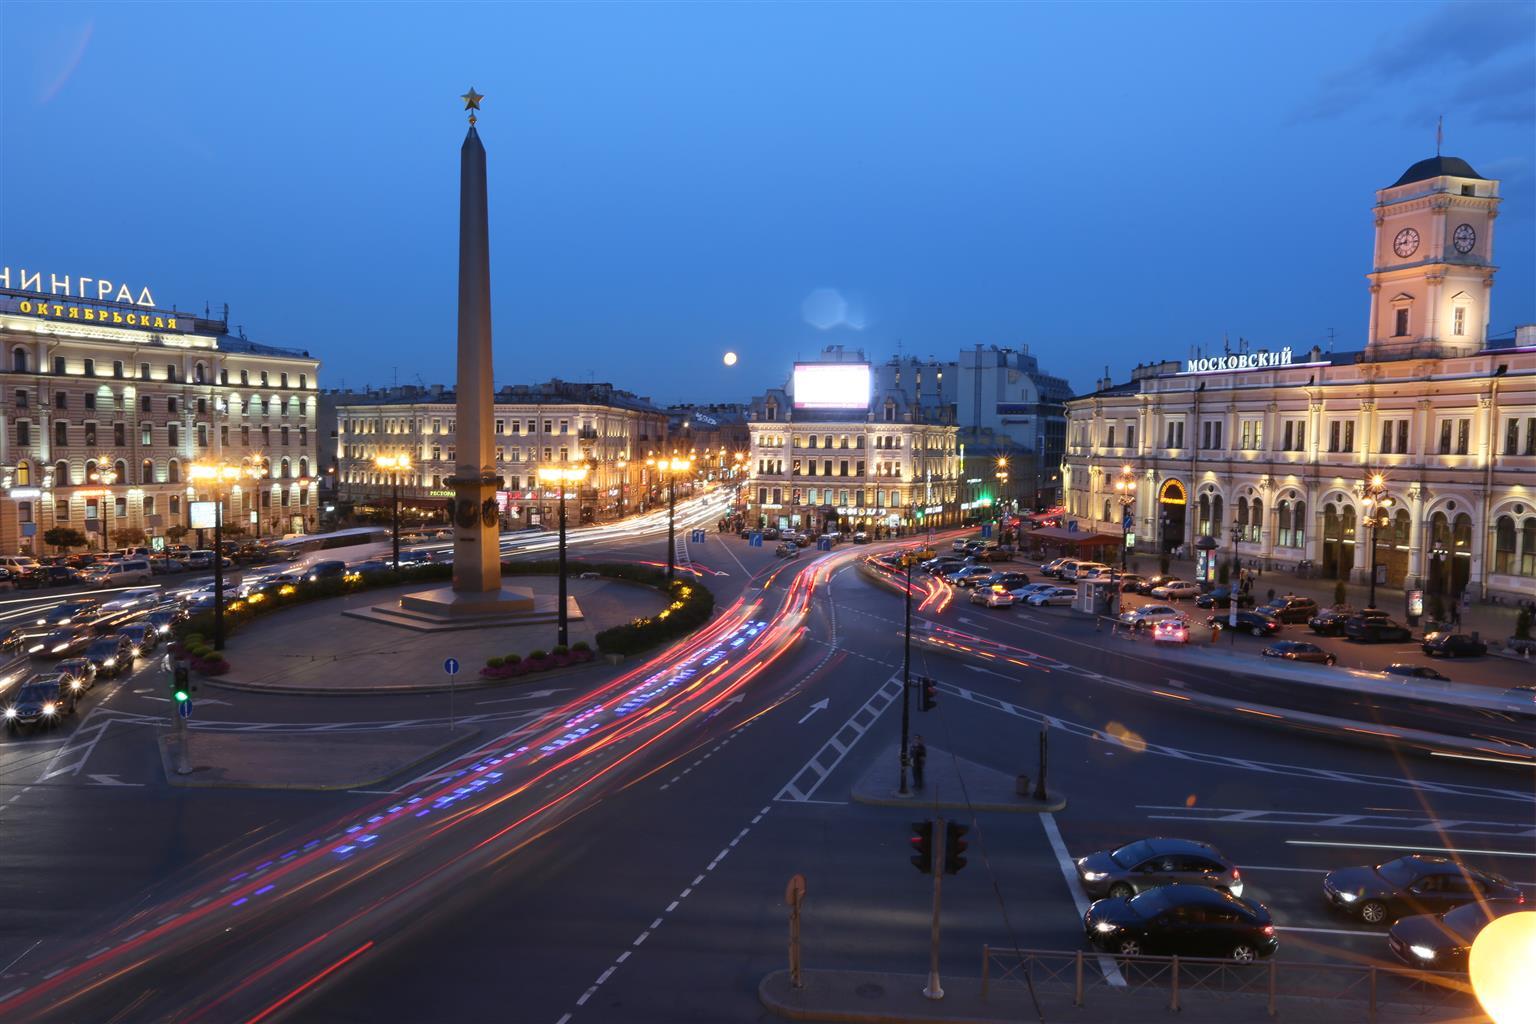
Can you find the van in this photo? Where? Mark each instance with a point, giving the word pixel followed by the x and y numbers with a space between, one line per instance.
pixel 19 565
pixel 122 574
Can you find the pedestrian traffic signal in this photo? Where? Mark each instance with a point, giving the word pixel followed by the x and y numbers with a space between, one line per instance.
pixel 181 689
pixel 954 846
pixel 930 691
pixel 922 846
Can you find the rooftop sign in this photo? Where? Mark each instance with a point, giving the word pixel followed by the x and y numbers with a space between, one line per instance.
pixel 90 289
pixel 1263 359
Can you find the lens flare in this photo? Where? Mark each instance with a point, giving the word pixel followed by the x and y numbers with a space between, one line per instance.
pixel 1500 966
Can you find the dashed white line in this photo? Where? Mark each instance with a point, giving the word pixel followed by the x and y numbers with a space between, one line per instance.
pixel 642 938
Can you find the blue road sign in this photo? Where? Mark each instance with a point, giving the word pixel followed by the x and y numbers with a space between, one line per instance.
pixel 698 537
pixel 185 708
pixel 756 541
pixel 451 666
pixel 986 529
pixel 824 544
pixel 1128 520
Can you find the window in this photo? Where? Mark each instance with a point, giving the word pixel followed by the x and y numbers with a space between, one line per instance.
pixel 1109 436
pixel 303 381
pixel 21 399
pixel 1175 434
pixel 1463 430
pixel 1445 437
pixel 117 368
pixel 1530 436
pixel 266 437
pixel 60 400
pixel 282 380
pixel 24 511
pixel 303 435
pixel 1252 435
pixel 90 401
pixel 172 434
pixel 1130 435
pixel 202 406
pixel 146 433
pixel 501 426
pixel 263 378
pixel 245 436
pixel 170 371
pixel 173 476
pixel 120 434
pixel 149 503
pixel 61 475
pixel 147 475
pixel 1402 324
pixel 283 435
pixel 19 360
pixel 61 511
pixel 198 373
pixel 170 406
pixel 23 438
pixel 1511 436
pixel 61 434
pixel 174 502
pixel 1504 546
pixel 1459 321
pixel 58 364
pixel 223 376
pixel 143 371
pixel 202 435
pixel 90 367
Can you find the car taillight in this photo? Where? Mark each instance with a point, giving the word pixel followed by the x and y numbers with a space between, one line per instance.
pixel 1236 874
pixel 1269 929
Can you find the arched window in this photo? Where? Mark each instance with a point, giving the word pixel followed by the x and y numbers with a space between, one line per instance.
pixel 1256 520
pixel 1204 517
pixel 285 473
pixel 1528 547
pixel 61 474
pixel 199 373
pixel 147 472
pixel 19 359
pixel 245 376
pixel 23 473
pixel 1283 523
pixel 173 472
pixel 1504 546
pixel 1240 517
pixel 1216 510
pixel 121 469
pixel 304 466
pixel 1106 510
pixel 1402 525
pixel 90 471
pixel 1299 525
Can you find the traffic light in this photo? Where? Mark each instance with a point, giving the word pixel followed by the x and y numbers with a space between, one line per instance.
pixel 922 846
pixel 930 691
pixel 181 687
pixel 954 846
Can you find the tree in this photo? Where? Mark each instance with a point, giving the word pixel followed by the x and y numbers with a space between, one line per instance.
pixel 65 537
pixel 128 536
pixel 176 533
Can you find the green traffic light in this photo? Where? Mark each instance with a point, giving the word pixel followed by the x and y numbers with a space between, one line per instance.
pixel 181 695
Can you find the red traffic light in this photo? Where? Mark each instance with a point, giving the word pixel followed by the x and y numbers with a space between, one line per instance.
pixel 922 846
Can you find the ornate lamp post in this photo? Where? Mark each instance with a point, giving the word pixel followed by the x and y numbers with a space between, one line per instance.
pixel 395 466
pixel 671 467
pixel 563 476
pixel 1378 514
pixel 1232 587
pixel 623 467
pixel 1125 493
pixel 105 475
pixel 218 476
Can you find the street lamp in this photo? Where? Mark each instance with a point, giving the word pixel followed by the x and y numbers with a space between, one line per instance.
pixel 1232 587
pixel 623 467
pixel 1378 513
pixel 219 475
pixel 1125 491
pixel 106 476
pixel 395 466
pixel 563 475
pixel 671 467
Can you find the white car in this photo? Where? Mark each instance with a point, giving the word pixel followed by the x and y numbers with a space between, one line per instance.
pixel 1080 570
pixel 1028 591
pixel 993 597
pixel 1151 614
pixel 1175 590
pixel 1054 596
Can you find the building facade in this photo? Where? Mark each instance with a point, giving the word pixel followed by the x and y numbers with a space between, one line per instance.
pixel 1282 447
pixel 108 401
pixel 1007 408
pixel 557 423
pixel 892 463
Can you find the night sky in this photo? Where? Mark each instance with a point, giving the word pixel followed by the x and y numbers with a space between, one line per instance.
pixel 1105 184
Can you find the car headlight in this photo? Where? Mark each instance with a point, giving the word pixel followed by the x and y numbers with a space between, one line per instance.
pixel 1103 926
pixel 49 709
pixel 1422 952
pixel 110 662
pixel 1349 897
pixel 10 712
pixel 1095 876
pixel 75 684
pixel 163 629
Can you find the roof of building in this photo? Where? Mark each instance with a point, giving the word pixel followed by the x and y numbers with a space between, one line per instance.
pixel 232 343
pixel 554 392
pixel 1437 167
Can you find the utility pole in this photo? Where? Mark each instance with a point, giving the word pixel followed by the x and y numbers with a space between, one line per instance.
pixel 934 989
pixel 906 679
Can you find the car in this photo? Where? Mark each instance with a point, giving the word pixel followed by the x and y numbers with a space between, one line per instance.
pixel 77 674
pixel 19 565
pixel 1129 582
pixel 40 702
pixel 1441 942
pixel 788 549
pixel 1053 596
pixel 200 559
pixel 1148 863
pixel 120 574
pixel 112 655
pixel 1053 567
pixel 1411 671
pixel 143 637
pixel 1255 622
pixel 70 612
pixel 1146 586
pixel 963 543
pixel 1371 629
pixel 1330 621
pixel 1298 650
pixel 994 553
pixel 1170 631
pixel 1419 883
pixel 967 576
pixel 1174 590
pixel 1097 572
pixel 8 580
pixel 166 566
pixel 1006 580
pixel 328 570
pixel 62 642
pixel 860 537
pixel 1221 597
pixel 1026 592
pixel 943 565
pixel 995 596
pixel 1074 571
pixel 1182 920
pixel 1290 608
pixel 1453 645
pixel 1148 614
pixel 1523 695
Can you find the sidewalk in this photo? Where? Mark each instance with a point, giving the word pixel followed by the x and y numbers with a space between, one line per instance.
pixel 312 761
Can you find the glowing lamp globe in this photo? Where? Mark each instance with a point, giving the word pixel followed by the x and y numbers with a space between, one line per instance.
pixel 1500 966
pixel 730 359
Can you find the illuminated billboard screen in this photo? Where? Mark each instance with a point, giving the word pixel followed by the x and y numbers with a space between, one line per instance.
pixel 831 385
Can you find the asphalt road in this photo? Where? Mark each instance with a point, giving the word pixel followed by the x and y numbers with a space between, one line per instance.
pixel 630 866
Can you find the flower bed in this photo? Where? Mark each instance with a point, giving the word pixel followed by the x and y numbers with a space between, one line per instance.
pixel 511 666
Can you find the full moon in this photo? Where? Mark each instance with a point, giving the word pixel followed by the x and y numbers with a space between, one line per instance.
pixel 730 359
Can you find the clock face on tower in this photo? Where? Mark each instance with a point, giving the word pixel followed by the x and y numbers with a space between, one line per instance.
pixel 1464 238
pixel 1406 243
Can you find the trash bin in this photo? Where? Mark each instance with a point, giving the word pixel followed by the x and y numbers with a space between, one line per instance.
pixel 1022 786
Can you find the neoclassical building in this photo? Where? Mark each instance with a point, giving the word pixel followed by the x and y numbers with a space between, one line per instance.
pixel 1283 444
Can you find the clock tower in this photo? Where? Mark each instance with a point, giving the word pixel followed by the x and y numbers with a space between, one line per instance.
pixel 1433 267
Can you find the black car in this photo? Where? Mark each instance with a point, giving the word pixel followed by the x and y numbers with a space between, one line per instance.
pixel 1130 581
pixel 1291 608
pixel 1370 629
pixel 329 570
pixel 41 702
pixel 1146 585
pixel 69 613
pixel 1454 645
pixel 1403 668
pixel 52 576
pixel 1006 580
pixel 142 636
pixel 1330 621
pixel 1441 942
pixel 163 619
pixel 65 642
pixel 112 655
pixel 1416 884
pixel 1298 650
pixel 1221 597
pixel 1255 622
pixel 1182 920
pixel 77 674
pixel 1149 863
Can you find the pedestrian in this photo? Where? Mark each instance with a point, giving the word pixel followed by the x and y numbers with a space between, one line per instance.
pixel 919 755
pixel 1271 593
pixel 1456 614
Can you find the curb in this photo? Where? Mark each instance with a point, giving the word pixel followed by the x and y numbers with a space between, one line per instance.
pixel 477 683
pixel 167 764
pixel 1054 801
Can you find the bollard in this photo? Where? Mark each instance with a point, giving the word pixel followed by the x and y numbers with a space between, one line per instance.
pixel 1174 1005
pixel 986 969
pixel 1077 998
pixel 1371 1010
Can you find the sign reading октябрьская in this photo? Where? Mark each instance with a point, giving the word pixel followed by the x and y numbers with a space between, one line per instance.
pixel 116 317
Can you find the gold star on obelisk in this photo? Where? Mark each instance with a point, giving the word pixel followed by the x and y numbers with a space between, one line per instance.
pixel 472 102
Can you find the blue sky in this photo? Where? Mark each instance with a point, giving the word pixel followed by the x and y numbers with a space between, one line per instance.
pixel 1106 184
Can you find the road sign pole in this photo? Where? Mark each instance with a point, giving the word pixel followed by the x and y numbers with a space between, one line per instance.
pixel 451 666
pixel 794 893
pixel 934 989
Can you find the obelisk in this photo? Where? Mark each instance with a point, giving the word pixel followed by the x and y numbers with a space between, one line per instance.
pixel 476 547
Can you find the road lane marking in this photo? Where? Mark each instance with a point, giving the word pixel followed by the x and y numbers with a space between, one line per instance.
pixel 1069 872
pixel 1421 849
pixel 887 694
pixel 1327 819
pixel 1328 931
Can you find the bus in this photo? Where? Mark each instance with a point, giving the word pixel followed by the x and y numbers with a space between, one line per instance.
pixel 355 545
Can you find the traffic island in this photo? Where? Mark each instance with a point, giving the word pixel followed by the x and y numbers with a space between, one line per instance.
pixel 327 761
pixel 951 782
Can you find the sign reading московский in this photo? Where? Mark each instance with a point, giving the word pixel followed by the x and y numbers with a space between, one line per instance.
pixel 73 291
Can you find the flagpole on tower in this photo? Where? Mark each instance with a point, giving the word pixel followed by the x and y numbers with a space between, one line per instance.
pixel 1439 134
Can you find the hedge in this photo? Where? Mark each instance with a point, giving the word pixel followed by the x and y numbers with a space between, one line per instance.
pixel 691 606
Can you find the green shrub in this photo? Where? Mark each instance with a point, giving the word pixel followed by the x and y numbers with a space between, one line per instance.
pixel 538 654
pixel 512 659
pixel 494 662
pixel 581 646
pixel 560 650
pixel 692 604
pixel 1523 624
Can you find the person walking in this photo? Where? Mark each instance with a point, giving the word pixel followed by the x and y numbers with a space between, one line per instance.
pixel 919 754
pixel 1456 614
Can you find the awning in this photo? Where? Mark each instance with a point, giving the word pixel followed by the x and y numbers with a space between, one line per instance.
pixel 1060 535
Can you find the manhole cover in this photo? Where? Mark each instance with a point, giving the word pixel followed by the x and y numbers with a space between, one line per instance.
pixel 869 990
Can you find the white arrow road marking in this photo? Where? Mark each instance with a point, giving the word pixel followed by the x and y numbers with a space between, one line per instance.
pixel 820 705
pixel 530 695
pixel 112 780
pixel 195 700
pixel 988 671
pixel 736 699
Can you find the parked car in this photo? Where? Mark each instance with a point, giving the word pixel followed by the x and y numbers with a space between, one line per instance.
pixel 1053 567
pixel 77 674
pixel 53 576
pixel 1182 920
pixel 966 576
pixel 1330 621
pixel 1175 590
pixel 1146 585
pixel 1221 597
pixel 19 565
pixel 1416 884
pixel 1074 571
pixel 1298 650
pixel 1290 608
pixel 1410 671
pixel 1129 582
pixel 1371 629
pixel 1255 622
pixel 1149 614
pixel 787 549
pixel 40 702
pixel 860 537
pixel 166 566
pixel 1453 645
pixel 1006 580
pixel 121 574
pixel 961 544
pixel 1441 942
pixel 994 553
pixel 995 596
pixel 112 655
pixel 1053 596
pixel 1148 863
pixel 1024 593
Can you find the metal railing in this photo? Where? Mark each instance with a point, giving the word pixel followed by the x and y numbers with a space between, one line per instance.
pixel 1377 988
